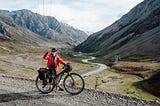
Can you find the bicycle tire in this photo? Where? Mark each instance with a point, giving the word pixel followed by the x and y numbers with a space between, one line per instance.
pixel 74 89
pixel 39 85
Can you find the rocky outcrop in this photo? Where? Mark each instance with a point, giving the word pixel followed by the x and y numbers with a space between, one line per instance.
pixel 137 32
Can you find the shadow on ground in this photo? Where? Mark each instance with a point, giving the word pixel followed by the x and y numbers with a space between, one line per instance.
pixel 151 85
pixel 31 95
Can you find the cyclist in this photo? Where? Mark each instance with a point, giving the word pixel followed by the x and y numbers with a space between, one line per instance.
pixel 53 63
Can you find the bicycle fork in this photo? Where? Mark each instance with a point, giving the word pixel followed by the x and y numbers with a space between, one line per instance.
pixel 74 81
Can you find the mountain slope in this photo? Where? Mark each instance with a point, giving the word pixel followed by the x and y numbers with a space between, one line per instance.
pixel 11 32
pixel 45 26
pixel 137 32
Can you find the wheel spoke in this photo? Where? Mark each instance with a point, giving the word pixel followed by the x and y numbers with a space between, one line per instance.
pixel 44 86
pixel 74 83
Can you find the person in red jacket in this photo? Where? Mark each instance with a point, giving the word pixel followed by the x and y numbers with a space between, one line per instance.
pixel 53 62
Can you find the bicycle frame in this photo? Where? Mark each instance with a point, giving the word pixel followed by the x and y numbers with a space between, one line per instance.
pixel 60 75
pixel 55 81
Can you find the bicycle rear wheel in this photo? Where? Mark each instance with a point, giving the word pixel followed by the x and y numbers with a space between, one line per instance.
pixel 73 83
pixel 45 86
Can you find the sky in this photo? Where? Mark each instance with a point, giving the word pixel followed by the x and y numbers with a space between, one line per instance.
pixel 87 15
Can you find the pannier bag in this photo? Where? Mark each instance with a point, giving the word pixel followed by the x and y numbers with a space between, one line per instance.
pixel 68 67
pixel 41 73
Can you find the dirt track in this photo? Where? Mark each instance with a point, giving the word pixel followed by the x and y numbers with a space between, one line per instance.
pixel 22 92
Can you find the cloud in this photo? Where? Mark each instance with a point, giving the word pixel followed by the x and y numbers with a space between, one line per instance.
pixel 87 15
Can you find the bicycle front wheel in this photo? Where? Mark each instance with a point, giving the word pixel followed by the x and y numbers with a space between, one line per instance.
pixel 73 83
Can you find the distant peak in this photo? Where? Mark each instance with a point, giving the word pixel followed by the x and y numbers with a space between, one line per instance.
pixel 23 10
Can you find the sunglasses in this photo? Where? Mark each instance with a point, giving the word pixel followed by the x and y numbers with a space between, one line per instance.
pixel 53 51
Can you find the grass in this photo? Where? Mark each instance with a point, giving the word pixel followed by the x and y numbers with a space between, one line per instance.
pixel 118 83
pixel 24 61
pixel 152 84
pixel 129 83
pixel 142 58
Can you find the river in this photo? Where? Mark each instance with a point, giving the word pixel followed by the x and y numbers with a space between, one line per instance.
pixel 101 68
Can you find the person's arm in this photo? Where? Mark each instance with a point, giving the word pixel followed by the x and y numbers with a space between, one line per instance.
pixel 60 60
pixel 45 56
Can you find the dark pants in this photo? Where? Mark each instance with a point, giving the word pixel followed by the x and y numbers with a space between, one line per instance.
pixel 49 74
pixel 52 71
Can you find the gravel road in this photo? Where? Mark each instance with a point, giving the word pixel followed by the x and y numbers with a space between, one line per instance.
pixel 23 92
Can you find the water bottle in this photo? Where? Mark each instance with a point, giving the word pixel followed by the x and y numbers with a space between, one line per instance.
pixel 58 78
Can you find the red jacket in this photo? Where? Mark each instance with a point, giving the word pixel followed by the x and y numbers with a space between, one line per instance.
pixel 57 60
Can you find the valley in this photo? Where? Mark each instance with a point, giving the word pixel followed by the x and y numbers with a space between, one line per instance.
pixel 120 63
pixel 23 62
pixel 121 78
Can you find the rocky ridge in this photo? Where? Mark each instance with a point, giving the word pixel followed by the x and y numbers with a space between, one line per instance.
pixel 45 26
